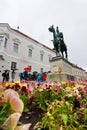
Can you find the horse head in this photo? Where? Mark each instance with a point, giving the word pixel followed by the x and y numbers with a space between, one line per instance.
pixel 51 29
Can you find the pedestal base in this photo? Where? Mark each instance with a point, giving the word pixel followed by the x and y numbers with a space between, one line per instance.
pixel 61 70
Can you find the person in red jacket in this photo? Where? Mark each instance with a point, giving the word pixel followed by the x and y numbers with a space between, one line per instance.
pixel 44 76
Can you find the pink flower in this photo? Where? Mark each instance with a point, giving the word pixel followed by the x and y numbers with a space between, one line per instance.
pixel 57 88
pixel 11 122
pixel 12 97
pixel 79 97
pixel 16 104
pixel 9 93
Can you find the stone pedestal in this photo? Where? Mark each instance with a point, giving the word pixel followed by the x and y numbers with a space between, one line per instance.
pixel 61 70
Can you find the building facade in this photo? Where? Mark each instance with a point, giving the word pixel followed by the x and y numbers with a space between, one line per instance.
pixel 17 51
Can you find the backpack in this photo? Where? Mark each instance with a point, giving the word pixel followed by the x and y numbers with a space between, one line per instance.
pixel 3 74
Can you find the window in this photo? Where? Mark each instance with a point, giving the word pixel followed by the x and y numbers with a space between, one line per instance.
pixel 1 40
pixel 41 70
pixel 5 44
pixel 13 65
pixel 41 57
pixel 49 57
pixel 69 77
pixel 30 53
pixel 29 68
pixel 15 47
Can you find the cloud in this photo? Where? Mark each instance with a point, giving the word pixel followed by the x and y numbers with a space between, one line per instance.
pixel 35 16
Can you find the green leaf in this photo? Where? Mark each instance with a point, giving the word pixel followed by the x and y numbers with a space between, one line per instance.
pixel 65 118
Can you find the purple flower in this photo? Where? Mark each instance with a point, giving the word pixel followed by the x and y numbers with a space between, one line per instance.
pixel 80 115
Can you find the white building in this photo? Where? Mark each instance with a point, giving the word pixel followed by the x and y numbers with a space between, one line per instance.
pixel 17 50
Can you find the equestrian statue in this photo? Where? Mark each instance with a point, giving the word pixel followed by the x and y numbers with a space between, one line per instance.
pixel 58 42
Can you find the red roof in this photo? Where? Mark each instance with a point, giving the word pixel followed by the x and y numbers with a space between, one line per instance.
pixel 31 39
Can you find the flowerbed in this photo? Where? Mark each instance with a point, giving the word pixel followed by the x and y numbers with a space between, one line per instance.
pixel 64 105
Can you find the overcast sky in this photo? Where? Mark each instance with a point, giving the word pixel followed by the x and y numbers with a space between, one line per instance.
pixel 34 17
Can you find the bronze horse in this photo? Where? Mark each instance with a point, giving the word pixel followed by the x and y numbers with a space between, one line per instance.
pixel 58 42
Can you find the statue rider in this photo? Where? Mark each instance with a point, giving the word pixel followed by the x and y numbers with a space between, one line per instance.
pixel 59 37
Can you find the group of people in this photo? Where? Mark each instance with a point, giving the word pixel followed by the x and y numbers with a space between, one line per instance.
pixel 6 76
pixel 23 75
pixel 40 77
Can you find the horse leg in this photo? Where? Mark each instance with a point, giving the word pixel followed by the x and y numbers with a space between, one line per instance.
pixel 62 54
pixel 59 49
pixel 56 53
pixel 66 54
